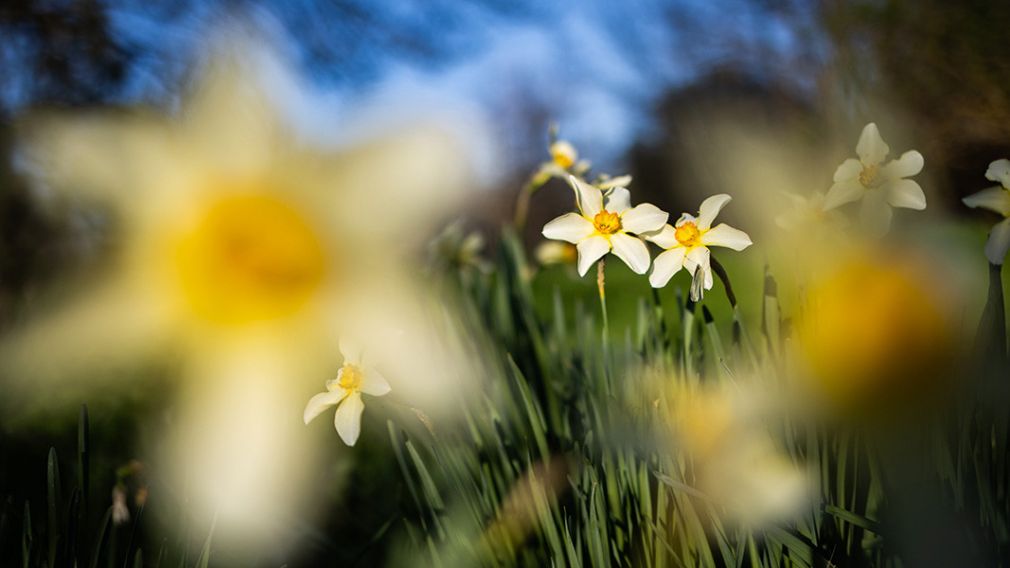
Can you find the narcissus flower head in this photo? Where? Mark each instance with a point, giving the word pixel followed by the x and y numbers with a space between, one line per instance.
pixel 997 199
pixel 606 222
pixel 686 245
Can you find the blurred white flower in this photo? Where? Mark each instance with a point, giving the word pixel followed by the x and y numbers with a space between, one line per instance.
pixel 353 379
pixel 807 213
pixel 563 154
pixel 880 186
pixel 686 245
pixel 555 252
pixel 995 198
pixel 564 161
pixel 605 223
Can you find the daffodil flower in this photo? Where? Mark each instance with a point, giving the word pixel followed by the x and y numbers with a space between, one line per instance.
pixel 996 198
pixel 344 392
pixel 606 223
pixel 564 161
pixel 881 186
pixel 686 245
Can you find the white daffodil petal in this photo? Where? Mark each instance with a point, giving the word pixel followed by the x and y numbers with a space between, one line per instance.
pixel 697 257
pixel 373 383
pixel 350 351
pixel 570 227
pixel 906 193
pixel 347 420
pixel 842 193
pixel 998 243
pixel 999 171
pixel 590 250
pixel 994 198
pixel 320 402
pixel 710 208
pixel 643 218
pixel 588 198
pixel 665 237
pixel 619 181
pixel 666 265
pixel 617 200
pixel 632 251
pixel 848 170
pixel 909 164
pixel 722 235
pixel 871 147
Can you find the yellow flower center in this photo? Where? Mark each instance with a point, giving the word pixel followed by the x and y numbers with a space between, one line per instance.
pixel 688 234
pixel 246 258
pixel 350 377
pixel 607 223
pixel 868 176
pixel 563 154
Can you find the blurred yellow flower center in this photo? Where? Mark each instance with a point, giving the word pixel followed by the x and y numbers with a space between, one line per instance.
pixel 563 154
pixel 868 176
pixel 350 377
pixel 688 234
pixel 249 258
pixel 607 223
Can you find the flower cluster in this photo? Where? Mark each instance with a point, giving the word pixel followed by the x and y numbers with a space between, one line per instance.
pixel 607 223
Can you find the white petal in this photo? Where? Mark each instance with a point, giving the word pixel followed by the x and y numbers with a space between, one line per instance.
pixel 666 265
pixel 842 193
pixel 684 218
pixel 619 181
pixel 351 352
pixel 617 200
pixel 871 147
pixel 373 383
pixel 632 251
pixel 848 170
pixel 909 164
pixel 665 237
pixel 697 257
pixel 320 402
pixel 876 214
pixel 999 171
pixel 998 243
pixel 570 227
pixel 591 250
pixel 588 198
pixel 643 218
pixel 906 193
pixel 722 235
pixel 710 208
pixel 347 420
pixel 994 198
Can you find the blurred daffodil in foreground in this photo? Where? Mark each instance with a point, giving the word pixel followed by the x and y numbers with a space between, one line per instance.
pixel 353 379
pixel 735 460
pixel 874 332
pixel 686 245
pixel 606 223
pixel 997 199
pixel 879 185
pixel 243 255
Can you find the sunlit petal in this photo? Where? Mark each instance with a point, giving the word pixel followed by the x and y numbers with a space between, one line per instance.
pixel 999 171
pixel 871 147
pixel 570 227
pixel 374 383
pixel 722 235
pixel 665 237
pixel 320 402
pixel 591 250
pixel 994 198
pixel 710 208
pixel 347 419
pixel 848 170
pixel 909 164
pixel 643 218
pixel 998 243
pixel 666 265
pixel 617 200
pixel 632 251
pixel 842 193
pixel 588 198
pixel 906 193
